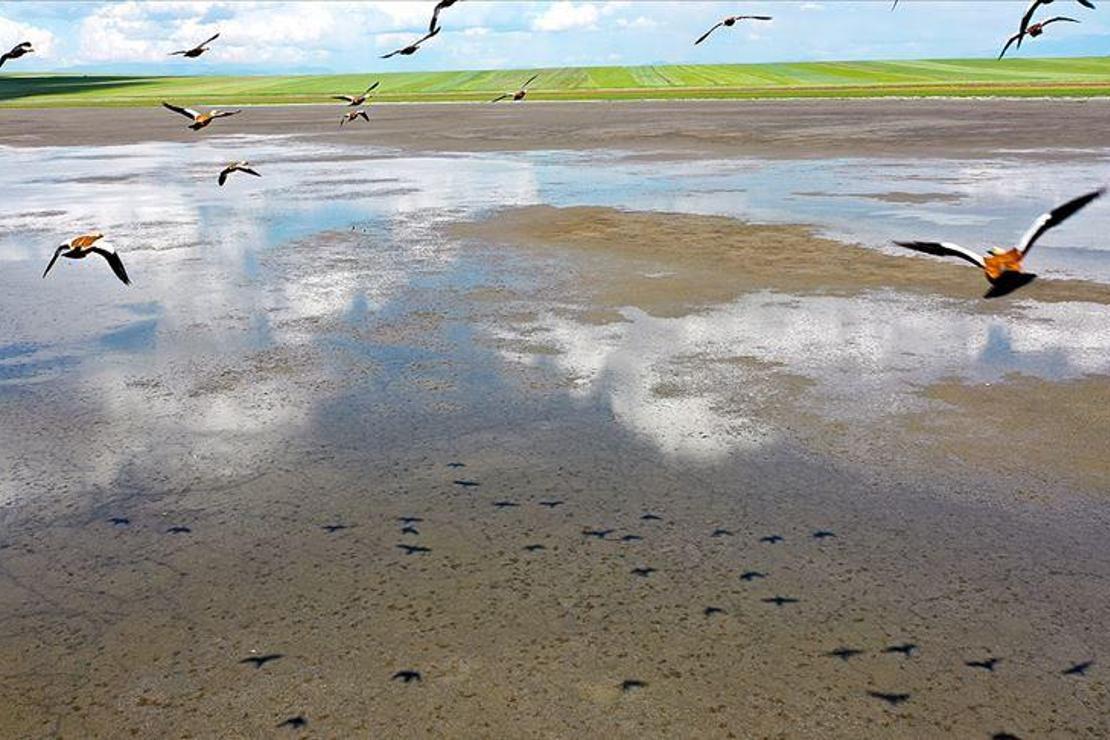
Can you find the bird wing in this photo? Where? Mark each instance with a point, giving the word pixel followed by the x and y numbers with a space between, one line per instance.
pixel 362 114
pixel 754 18
pixel 1059 18
pixel 372 87
pixel 499 98
pixel 249 171
pixel 57 254
pixel 1016 37
pixel 392 53
pixel 705 35
pixel 427 36
pixel 945 249
pixel 85 240
pixel 187 112
pixel 115 262
pixel 223 175
pixel 1029 12
pixel 224 113
pixel 1054 218
pixel 208 41
pixel 530 81
pixel 348 98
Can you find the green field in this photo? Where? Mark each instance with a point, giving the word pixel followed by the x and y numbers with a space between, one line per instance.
pixel 1080 77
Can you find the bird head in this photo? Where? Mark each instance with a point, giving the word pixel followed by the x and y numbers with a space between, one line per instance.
pixel 996 251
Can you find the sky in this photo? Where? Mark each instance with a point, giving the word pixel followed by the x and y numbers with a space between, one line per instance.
pixel 323 37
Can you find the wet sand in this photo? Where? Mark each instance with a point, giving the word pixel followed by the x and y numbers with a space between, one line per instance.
pixel 821 128
pixel 580 355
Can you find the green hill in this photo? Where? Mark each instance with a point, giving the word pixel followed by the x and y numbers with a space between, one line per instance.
pixel 1083 76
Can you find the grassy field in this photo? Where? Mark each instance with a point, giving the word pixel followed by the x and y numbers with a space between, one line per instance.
pixel 1083 77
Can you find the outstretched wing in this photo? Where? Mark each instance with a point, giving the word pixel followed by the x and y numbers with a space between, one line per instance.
pixel 499 98
pixel 3 58
pixel 530 81
pixel 1028 17
pixel 705 35
pixel 115 262
pixel 348 98
pixel 249 171
pixel 372 87
pixel 427 36
pixel 208 41
pixel 392 53
pixel 187 112
pixel 1054 218
pixel 945 249
pixel 223 175
pixel 1059 18
pixel 1016 37
pixel 57 254
pixel 755 18
pixel 225 113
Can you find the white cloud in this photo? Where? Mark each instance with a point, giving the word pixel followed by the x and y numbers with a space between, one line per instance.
pixel 565 16
pixel 12 33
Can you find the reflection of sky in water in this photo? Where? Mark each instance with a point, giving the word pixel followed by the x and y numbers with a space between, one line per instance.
pixel 225 271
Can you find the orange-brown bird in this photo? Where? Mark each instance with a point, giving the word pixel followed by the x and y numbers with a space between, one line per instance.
pixel 356 100
pixel 1033 31
pixel 81 247
pixel 352 115
pixel 1032 10
pixel 1003 268
pixel 200 120
pixel 241 166
pixel 519 94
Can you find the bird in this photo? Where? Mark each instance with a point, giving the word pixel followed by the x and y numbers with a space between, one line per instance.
pixel 643 572
pixel 467 483
pixel 409 529
pixel 721 533
pixel 414 46
pixel 534 548
pixel 1032 10
pixel 823 534
pixel 1033 31
pixel 17 51
pixel 987 665
pixel 892 699
pixel 519 94
pixel 751 575
pixel 81 247
pixel 1004 736
pixel 844 653
pixel 456 465
pixel 771 539
pixel 1079 669
pixel 414 549
pixel 631 538
pixel 1003 269
pixel 407 676
pixel 356 100
pixel 906 649
pixel 551 504
pixel 241 166
pixel 294 723
pixel 709 611
pixel 260 660
pixel 599 533
pixel 649 517
pixel 332 528
pixel 730 22
pixel 353 115
pixel 505 504
pixel 200 120
pixel 120 521
pixel 441 5
pixel 631 684
pixel 780 600
pixel 406 520
pixel 197 50
pixel 178 529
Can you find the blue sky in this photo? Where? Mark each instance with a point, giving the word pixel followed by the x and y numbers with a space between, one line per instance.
pixel 314 37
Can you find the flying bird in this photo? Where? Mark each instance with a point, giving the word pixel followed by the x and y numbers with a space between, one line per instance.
pixel 519 94
pixel 643 572
pixel 780 600
pixel 410 519
pixel 414 549
pixel 631 684
pixel 1003 268
pixel 631 538
pixel 599 533
pixel 17 51
pixel 730 22
pixel 551 504
pixel 505 504
pixel 987 665
pixel 333 528
pixel 466 483
pixel 721 533
pixel 1079 669
pixel 295 723
pixel 906 649
pixel 1032 10
pixel 178 529
pixel 456 465
pixel 354 115
pixel 751 575
pixel 119 521
pixel 413 47
pixel 771 539
pixel 81 247
pixel 242 166
pixel 197 50
pixel 407 676
pixel 844 653
pixel 1033 31
pixel 534 548
pixel 709 611
pixel 409 529
pixel 441 5
pixel 892 699
pixel 200 120
pixel 649 517
pixel 356 100
pixel 823 534
pixel 260 660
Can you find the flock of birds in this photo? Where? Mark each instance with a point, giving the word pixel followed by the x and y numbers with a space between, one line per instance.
pixel 1002 267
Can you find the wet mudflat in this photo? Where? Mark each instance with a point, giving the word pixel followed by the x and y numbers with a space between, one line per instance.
pixel 468 464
